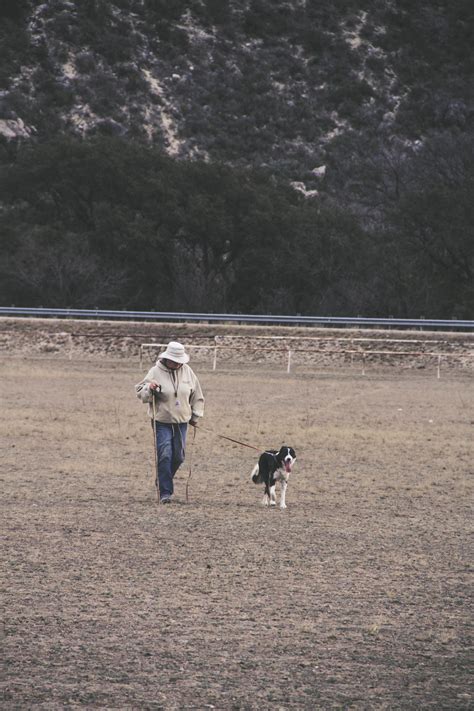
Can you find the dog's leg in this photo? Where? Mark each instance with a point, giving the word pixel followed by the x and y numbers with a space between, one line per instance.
pixel 272 495
pixel 283 495
pixel 254 474
pixel 266 495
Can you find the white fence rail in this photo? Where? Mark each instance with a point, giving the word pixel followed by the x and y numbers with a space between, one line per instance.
pixel 290 352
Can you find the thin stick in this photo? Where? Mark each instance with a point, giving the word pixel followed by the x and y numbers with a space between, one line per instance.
pixel 190 466
pixel 155 447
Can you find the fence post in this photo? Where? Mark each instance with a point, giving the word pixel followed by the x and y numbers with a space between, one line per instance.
pixel 214 365
pixel 289 361
pixel 439 366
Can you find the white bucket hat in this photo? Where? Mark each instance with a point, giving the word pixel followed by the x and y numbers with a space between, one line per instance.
pixel 175 351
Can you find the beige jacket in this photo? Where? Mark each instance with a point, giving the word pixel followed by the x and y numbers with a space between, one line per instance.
pixel 180 397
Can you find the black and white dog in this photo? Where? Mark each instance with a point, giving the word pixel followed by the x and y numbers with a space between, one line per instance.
pixel 273 467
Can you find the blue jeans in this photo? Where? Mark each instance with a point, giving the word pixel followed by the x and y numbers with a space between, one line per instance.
pixel 170 449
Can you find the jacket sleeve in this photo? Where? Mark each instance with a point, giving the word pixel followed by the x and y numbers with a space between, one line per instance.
pixel 142 388
pixel 196 399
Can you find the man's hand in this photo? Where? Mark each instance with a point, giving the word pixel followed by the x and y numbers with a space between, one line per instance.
pixel 193 422
pixel 155 387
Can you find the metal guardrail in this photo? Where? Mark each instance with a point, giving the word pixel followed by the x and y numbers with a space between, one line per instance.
pixel 238 318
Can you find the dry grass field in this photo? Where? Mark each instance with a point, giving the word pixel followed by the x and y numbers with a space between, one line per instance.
pixel 355 597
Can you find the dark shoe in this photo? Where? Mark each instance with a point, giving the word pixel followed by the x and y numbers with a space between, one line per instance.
pixel 165 500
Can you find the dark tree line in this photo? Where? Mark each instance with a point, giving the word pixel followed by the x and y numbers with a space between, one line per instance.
pixel 115 224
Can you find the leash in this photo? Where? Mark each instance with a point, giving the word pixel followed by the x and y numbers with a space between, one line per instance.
pixel 216 434
pixel 221 436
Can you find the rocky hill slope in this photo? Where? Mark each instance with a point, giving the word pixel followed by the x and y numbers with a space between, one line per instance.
pixel 238 155
pixel 243 81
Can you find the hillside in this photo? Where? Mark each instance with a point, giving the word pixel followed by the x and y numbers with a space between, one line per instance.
pixel 246 82
pixel 352 123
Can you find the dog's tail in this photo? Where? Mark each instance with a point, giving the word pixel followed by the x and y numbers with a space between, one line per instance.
pixel 255 475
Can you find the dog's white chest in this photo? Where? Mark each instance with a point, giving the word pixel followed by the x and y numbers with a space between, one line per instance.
pixel 281 475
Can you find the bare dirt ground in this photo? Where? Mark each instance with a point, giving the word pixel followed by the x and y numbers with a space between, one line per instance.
pixel 355 597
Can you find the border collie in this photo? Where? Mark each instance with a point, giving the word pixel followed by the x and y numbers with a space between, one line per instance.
pixel 273 467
